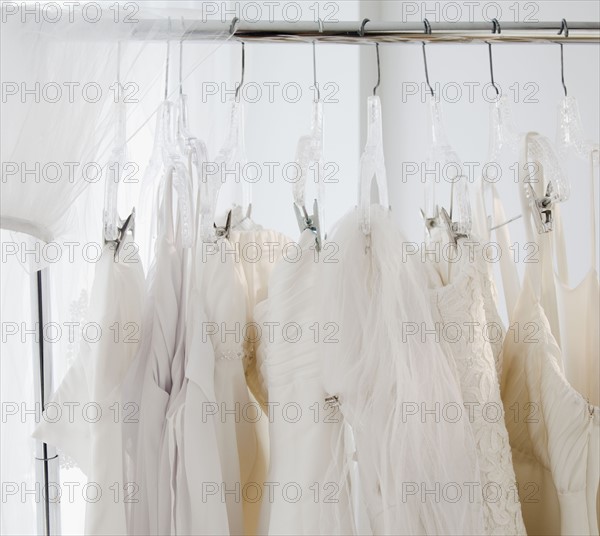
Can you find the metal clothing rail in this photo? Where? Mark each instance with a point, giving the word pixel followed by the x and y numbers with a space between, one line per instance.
pixel 367 31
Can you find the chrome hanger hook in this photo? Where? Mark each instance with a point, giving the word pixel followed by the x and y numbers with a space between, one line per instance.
pixel 427 32
pixel 361 30
pixel 316 84
pixel 492 70
pixel 237 91
pixel 495 28
pixel 320 22
pixel 378 70
pixel 234 25
pixel 563 28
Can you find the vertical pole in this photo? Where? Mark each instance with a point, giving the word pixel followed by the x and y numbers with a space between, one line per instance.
pixel 46 457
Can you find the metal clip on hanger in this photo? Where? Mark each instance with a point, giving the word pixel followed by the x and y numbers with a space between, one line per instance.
pixel 455 229
pixel 309 152
pixel 542 209
pixel 372 163
pixel 223 232
pixel 127 226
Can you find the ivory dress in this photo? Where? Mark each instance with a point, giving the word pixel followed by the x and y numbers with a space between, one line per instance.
pixel 554 431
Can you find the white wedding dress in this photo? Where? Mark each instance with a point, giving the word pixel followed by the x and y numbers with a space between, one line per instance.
pixel 416 452
pixel 93 438
pixel 151 380
pixel 304 430
pixel 462 323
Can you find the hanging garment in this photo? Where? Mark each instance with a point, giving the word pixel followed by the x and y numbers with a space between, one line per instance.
pixel 579 334
pixel 459 312
pixel 150 381
pixel 414 447
pixel 303 428
pixel 235 275
pixel 554 432
pixel 191 429
pixel 91 388
pixel 498 250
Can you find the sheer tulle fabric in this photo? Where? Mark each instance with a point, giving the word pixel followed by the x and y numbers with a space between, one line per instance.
pixel 415 451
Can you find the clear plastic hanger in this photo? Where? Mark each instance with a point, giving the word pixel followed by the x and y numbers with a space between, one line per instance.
pixel 114 229
pixel 192 147
pixel 570 133
pixel 503 135
pixel 372 163
pixel 309 154
pixel 231 156
pixel 175 160
pixel 117 159
pixel 442 156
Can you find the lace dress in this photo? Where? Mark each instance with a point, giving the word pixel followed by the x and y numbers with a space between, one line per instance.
pixel 459 311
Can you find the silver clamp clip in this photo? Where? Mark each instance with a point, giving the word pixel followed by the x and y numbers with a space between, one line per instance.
pixel 332 401
pixel 543 209
pixel 306 221
pixel 223 232
pixel 125 226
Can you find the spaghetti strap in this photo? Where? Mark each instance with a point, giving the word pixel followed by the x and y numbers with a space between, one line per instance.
pixel 594 155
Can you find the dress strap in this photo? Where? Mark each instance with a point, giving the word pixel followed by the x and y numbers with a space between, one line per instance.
pixel 594 157
pixel 559 234
pixel 539 272
pixel 508 269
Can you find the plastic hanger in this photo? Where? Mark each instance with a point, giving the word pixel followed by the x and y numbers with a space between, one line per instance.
pixel 231 156
pixel 115 229
pixel 308 153
pixel 175 160
pixel 372 163
pixel 442 156
pixel 117 159
pixel 503 133
pixel 192 147
pixel 570 133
